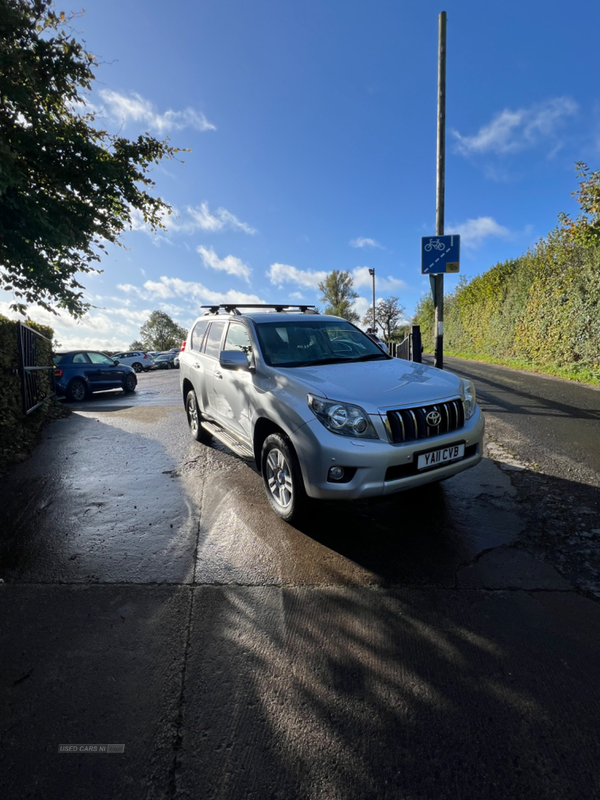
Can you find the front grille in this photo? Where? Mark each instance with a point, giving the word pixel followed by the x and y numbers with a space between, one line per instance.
pixel 410 424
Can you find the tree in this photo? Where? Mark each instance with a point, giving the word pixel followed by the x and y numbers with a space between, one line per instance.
pixel 389 315
pixel 586 228
pixel 137 345
pixel 338 294
pixel 66 188
pixel 159 332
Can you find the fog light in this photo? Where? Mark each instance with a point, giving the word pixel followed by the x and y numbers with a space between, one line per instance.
pixel 335 473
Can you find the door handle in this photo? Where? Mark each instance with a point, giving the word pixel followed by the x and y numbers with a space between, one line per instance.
pixel 218 375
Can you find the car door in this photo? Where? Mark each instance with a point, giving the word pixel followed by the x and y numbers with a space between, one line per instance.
pixel 110 375
pixel 81 366
pixel 192 362
pixel 231 389
pixel 209 365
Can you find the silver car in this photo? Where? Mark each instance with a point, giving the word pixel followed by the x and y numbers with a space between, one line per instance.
pixel 320 409
pixel 136 359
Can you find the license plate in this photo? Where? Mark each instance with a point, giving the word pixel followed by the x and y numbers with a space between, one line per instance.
pixel 438 457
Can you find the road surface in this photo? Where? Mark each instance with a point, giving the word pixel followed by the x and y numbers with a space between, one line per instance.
pixel 422 647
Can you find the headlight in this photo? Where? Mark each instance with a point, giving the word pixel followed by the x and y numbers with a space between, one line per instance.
pixel 342 418
pixel 467 391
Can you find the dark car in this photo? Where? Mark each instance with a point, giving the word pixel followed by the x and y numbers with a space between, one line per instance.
pixel 80 372
pixel 166 361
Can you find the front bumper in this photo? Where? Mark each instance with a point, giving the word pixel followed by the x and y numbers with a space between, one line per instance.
pixel 382 468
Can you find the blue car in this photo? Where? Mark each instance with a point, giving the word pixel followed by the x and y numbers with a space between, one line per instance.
pixel 80 372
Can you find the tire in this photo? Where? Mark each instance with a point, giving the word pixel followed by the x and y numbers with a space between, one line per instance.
pixel 76 391
pixel 194 417
pixel 282 478
pixel 137 367
pixel 129 383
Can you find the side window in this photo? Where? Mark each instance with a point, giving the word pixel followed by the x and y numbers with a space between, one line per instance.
pixel 198 335
pixel 80 358
pixel 213 340
pixel 238 339
pixel 99 358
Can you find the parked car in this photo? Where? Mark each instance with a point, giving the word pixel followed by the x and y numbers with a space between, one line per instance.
pixel 372 334
pixel 321 409
pixel 137 360
pixel 165 361
pixel 80 372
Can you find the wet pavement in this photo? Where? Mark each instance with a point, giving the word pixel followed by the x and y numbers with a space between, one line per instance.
pixel 414 647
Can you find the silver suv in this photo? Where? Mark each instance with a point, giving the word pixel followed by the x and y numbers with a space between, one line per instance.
pixel 320 409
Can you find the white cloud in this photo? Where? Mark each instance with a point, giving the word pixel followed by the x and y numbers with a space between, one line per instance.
pixel 200 218
pixel 96 329
pixel 193 219
pixel 284 273
pixel 296 296
pixel 474 231
pixel 192 291
pixel 362 242
pixel 128 288
pixel 137 109
pixel 130 314
pixel 511 131
pixel 230 264
pixel 361 277
pixel 361 305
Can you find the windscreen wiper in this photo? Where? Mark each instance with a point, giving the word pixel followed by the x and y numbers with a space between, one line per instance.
pixel 372 357
pixel 316 362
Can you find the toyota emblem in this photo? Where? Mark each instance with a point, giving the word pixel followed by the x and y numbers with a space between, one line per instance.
pixel 433 419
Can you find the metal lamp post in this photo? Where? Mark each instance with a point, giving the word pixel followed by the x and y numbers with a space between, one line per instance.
pixel 372 274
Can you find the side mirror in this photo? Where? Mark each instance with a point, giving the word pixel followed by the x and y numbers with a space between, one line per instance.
pixel 116 360
pixel 233 359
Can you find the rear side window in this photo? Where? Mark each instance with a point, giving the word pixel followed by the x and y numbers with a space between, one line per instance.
pixel 100 358
pixel 213 340
pixel 80 358
pixel 198 335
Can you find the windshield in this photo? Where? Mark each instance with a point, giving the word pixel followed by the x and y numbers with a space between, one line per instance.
pixel 306 343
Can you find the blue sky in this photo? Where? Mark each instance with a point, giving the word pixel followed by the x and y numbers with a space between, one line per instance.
pixel 313 132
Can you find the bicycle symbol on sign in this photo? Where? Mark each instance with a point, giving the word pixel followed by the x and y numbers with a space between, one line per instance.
pixel 434 244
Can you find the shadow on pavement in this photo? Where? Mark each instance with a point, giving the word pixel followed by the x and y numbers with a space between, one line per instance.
pixel 361 693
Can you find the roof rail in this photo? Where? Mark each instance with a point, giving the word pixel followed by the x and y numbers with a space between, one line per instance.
pixel 233 308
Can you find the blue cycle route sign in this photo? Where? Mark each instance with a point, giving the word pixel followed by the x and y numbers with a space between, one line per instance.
pixel 440 254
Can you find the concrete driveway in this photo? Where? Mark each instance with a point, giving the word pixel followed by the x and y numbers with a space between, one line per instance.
pixel 411 648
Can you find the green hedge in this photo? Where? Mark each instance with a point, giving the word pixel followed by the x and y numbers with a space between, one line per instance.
pixel 542 310
pixel 11 413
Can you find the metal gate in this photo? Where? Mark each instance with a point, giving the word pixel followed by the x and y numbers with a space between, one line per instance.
pixel 410 348
pixel 37 379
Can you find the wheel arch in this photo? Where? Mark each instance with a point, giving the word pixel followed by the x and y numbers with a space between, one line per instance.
pixel 186 387
pixel 82 379
pixel 265 427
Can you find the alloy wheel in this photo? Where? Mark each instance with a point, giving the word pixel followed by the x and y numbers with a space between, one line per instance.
pixel 192 411
pixel 279 478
